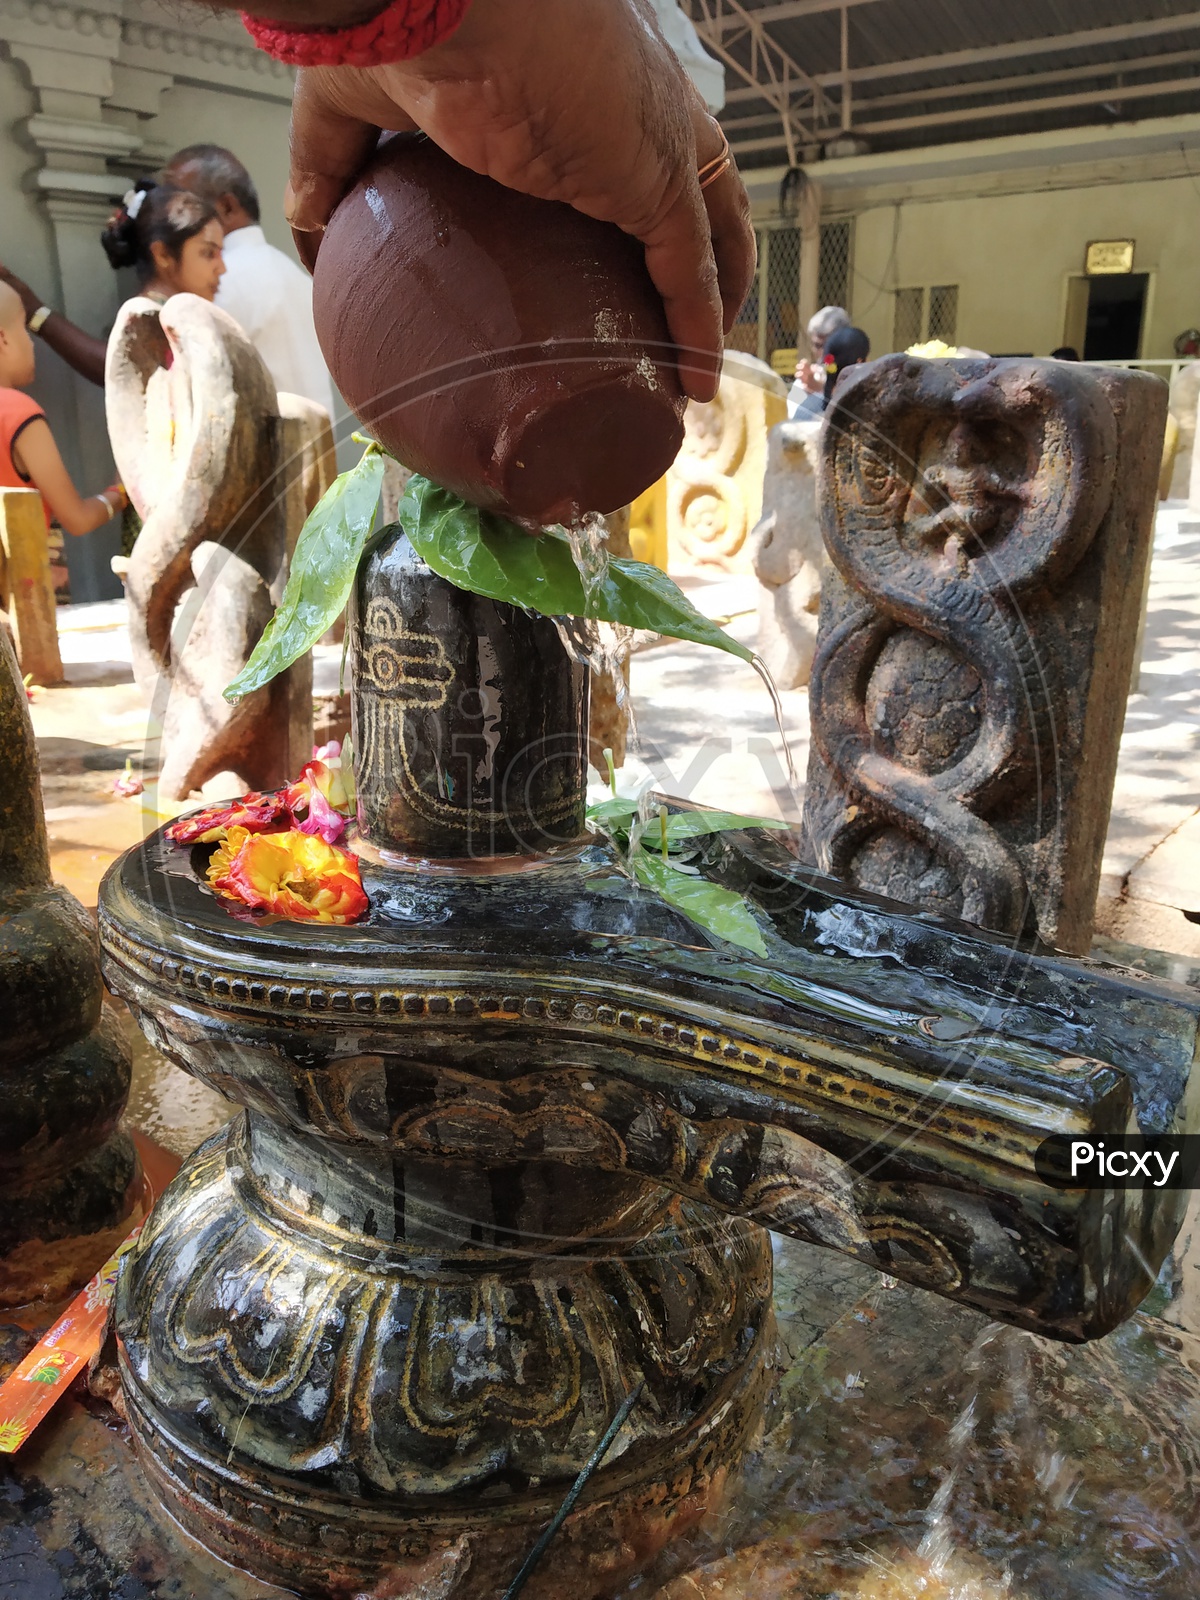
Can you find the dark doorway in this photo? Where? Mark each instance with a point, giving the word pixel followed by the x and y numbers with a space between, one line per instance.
pixel 1116 309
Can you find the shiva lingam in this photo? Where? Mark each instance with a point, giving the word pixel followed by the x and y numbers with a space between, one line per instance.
pixel 510 1144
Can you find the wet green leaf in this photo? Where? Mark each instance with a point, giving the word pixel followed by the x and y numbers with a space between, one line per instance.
pixel 719 910
pixel 615 813
pixel 487 555
pixel 322 573
pixel 690 824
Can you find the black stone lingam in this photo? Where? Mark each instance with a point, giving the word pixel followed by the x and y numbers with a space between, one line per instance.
pixel 506 1145
pixel 469 720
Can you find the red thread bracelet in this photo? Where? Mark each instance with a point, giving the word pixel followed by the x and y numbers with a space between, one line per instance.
pixel 403 30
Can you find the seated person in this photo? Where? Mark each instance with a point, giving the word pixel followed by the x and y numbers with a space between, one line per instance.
pixel 29 457
pixel 848 347
pixel 810 374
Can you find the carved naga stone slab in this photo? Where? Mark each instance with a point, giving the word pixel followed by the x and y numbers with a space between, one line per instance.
pixel 989 526
pixel 218 478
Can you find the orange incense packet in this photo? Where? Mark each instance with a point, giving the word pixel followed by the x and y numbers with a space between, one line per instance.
pixel 46 1372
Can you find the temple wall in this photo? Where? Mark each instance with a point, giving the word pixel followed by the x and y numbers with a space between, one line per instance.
pixel 91 97
pixel 1011 256
pixel 1008 221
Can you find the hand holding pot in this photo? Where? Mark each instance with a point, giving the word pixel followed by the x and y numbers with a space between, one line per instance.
pixel 580 101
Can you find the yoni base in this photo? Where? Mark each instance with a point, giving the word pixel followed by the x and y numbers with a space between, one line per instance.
pixel 338 1413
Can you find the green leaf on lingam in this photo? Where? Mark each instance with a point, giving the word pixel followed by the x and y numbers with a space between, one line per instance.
pixel 321 575
pixel 691 824
pixel 487 555
pixel 719 910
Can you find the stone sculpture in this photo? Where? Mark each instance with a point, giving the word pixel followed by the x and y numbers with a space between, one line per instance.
pixel 786 550
pixel 502 1139
pixel 714 488
pixel 212 470
pixel 1185 399
pixel 70 1181
pixel 989 528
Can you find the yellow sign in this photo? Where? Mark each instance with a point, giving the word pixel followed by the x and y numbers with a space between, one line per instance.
pixel 1109 256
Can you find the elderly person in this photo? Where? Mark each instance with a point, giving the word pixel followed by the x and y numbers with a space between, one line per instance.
pixel 845 347
pixel 810 374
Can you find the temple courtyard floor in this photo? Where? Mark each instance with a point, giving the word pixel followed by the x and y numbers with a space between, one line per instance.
pixel 913 1448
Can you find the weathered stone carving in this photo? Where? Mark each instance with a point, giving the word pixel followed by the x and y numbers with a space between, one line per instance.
pixel 69 1181
pixel 989 525
pixel 786 550
pixel 210 466
pixel 714 489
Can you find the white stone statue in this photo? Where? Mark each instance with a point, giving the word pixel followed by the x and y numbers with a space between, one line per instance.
pixel 787 553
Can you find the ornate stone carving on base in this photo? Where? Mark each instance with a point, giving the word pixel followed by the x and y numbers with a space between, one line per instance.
pixel 714 489
pixel 989 525
pixel 220 481
pixel 70 1182
pixel 786 550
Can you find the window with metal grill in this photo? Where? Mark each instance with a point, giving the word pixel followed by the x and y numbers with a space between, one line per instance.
pixel 833 279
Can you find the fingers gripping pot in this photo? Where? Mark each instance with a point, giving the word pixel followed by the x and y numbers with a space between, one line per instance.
pixel 510 348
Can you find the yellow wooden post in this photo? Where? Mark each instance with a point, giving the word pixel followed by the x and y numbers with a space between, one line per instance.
pixel 26 587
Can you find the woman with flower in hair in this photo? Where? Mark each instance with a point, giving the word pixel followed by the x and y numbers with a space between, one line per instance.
pixel 171 237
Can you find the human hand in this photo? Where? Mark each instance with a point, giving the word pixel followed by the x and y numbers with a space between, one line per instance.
pixel 29 300
pixel 580 101
pixel 810 377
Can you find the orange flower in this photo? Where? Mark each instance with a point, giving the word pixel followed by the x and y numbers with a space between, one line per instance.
pixel 256 813
pixel 293 874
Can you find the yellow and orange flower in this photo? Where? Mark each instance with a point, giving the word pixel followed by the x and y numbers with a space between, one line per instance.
pixel 293 874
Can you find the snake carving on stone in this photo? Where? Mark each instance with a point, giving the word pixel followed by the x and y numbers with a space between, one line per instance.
pixel 957 496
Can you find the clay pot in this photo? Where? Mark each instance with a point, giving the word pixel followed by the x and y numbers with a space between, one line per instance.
pixel 511 349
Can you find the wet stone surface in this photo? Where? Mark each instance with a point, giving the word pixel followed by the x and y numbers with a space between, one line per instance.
pixel 914 1449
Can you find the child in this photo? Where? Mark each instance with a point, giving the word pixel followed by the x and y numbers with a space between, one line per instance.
pixel 29 457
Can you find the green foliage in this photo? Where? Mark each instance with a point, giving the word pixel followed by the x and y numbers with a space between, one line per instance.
pixel 487 555
pixel 719 910
pixel 322 572
pixel 645 851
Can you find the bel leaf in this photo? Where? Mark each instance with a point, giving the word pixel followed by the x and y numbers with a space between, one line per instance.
pixel 719 910
pixel 321 576
pixel 690 824
pixel 487 555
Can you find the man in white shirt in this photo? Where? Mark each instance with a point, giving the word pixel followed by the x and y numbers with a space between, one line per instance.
pixel 262 289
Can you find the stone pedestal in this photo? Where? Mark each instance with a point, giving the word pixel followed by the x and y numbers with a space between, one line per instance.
pixel 714 489
pixel 222 483
pixel 787 553
pixel 989 525
pixel 508 1139
pixel 70 1182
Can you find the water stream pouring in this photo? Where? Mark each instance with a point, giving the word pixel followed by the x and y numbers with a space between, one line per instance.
pixel 509 1146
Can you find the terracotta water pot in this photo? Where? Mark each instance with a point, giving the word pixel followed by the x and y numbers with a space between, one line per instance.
pixel 511 349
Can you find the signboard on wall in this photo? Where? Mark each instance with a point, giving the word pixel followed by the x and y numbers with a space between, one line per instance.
pixel 1107 256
